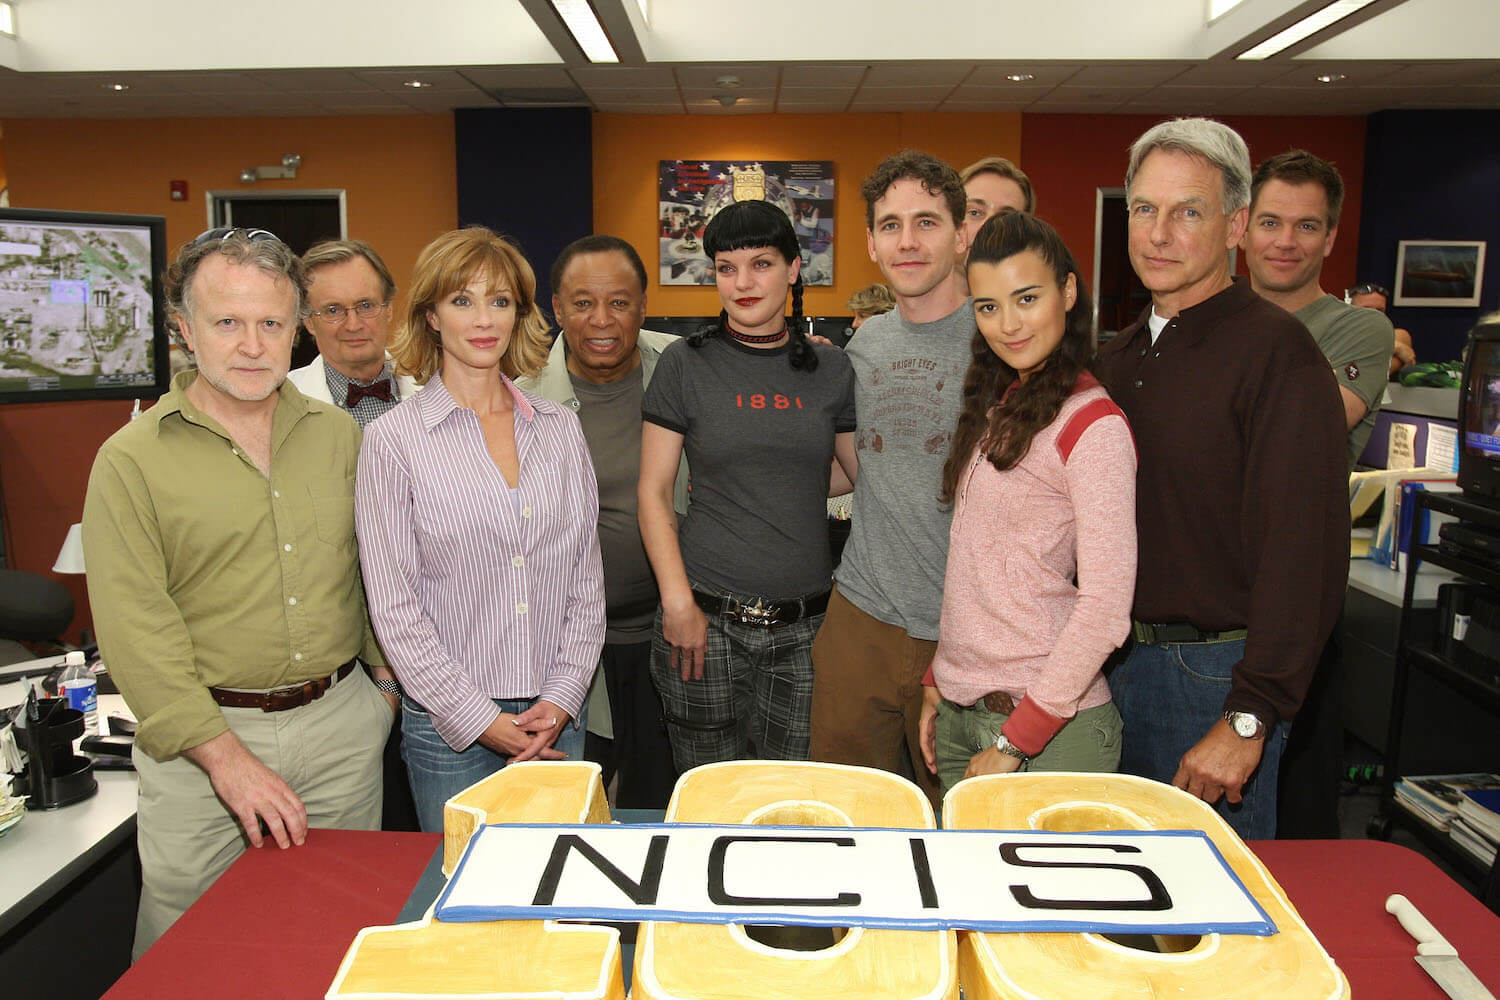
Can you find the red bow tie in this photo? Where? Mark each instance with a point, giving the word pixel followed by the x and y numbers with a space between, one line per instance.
pixel 378 390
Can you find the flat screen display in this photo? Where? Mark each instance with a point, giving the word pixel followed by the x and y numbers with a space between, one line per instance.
pixel 81 309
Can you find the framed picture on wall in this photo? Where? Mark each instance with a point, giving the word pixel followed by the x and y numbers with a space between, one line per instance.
pixel 689 192
pixel 1439 272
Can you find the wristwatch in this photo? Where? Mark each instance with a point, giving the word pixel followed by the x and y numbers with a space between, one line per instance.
pixel 389 685
pixel 1005 746
pixel 1246 725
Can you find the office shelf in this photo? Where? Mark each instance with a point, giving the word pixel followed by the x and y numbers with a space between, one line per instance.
pixel 1459 668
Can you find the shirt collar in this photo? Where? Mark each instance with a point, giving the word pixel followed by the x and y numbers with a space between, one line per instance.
pixel 435 404
pixel 339 383
pixel 291 405
pixel 1195 322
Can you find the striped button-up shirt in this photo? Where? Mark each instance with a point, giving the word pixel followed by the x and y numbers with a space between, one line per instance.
pixel 475 596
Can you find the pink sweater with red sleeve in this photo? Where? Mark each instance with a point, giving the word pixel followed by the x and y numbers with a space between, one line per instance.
pixel 1014 619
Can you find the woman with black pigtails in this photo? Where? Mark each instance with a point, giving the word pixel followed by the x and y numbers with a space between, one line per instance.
pixel 762 412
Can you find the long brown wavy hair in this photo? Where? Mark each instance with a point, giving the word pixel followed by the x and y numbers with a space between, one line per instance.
pixel 1004 426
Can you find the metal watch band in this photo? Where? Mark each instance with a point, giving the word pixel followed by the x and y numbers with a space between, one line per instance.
pixel 389 685
pixel 1005 746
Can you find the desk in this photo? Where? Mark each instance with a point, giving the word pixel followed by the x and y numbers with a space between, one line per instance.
pixel 236 943
pixel 68 870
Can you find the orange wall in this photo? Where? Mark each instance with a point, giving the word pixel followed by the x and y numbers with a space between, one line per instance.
pixel 1069 156
pixel 400 180
pixel 627 149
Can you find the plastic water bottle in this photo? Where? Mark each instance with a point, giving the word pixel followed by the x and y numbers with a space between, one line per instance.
pixel 78 685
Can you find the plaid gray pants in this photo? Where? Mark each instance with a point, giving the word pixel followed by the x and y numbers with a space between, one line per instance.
pixel 754 700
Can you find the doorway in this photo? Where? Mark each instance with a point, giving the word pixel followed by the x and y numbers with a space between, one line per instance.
pixel 298 218
pixel 1119 295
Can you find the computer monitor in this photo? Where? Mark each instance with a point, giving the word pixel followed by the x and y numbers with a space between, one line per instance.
pixel 1479 415
pixel 81 306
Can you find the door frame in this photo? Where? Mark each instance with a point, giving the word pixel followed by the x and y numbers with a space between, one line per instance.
pixel 215 199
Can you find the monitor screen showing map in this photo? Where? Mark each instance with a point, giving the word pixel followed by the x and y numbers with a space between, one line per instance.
pixel 81 313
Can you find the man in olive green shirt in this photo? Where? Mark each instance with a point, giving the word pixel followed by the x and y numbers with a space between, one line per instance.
pixel 224 579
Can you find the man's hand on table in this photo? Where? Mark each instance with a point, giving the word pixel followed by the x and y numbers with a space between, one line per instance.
pixel 251 790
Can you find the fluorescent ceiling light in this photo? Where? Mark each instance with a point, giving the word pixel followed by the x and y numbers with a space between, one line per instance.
pixel 1313 23
pixel 1218 8
pixel 584 25
pixel 8 19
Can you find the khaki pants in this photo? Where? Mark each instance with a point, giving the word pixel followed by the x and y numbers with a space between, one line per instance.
pixel 328 751
pixel 867 693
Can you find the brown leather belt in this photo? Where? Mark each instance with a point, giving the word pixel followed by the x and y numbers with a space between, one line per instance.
pixel 285 698
pixel 999 702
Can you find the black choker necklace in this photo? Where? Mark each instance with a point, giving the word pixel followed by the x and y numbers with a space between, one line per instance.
pixel 756 339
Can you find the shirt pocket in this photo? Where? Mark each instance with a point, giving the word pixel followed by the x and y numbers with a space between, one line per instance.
pixel 333 514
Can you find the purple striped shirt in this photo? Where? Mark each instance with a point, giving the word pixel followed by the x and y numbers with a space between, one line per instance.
pixel 471 598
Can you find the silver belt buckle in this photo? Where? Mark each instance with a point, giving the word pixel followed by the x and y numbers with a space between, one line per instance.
pixel 756 614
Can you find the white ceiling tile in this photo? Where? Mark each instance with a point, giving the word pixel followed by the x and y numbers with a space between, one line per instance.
pixel 1125 74
pixel 505 77
pixel 311 79
pixel 1230 73
pixel 751 93
pixel 821 75
pixel 916 74
pixel 803 95
pixel 591 78
pixel 996 74
pixel 750 75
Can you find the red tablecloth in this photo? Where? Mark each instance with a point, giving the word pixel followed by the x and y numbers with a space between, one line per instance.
pixel 278 923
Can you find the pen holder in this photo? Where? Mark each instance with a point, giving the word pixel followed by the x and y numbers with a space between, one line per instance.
pixel 54 775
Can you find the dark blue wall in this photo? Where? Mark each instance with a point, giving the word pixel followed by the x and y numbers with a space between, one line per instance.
pixel 1432 175
pixel 527 174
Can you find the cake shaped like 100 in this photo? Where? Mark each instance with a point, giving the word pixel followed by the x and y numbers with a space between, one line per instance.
pixel 677 961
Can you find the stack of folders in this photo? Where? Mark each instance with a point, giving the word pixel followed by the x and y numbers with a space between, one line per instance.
pixel 1398 526
pixel 1476 828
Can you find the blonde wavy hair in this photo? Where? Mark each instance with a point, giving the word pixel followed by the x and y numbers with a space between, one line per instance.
pixel 448 264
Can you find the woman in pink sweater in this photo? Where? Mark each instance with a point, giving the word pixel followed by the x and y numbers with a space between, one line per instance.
pixel 1041 556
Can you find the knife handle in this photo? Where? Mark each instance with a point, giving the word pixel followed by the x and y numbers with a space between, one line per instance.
pixel 1429 941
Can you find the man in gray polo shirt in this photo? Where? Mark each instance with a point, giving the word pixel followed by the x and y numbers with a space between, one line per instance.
pixel 600 366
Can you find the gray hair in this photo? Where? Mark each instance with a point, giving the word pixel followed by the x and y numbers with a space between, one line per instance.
pixel 1208 140
pixel 343 251
pixel 270 255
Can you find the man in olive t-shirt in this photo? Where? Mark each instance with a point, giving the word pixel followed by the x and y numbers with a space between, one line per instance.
pixel 1295 199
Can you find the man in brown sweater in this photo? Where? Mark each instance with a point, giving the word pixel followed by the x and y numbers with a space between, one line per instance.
pixel 1241 497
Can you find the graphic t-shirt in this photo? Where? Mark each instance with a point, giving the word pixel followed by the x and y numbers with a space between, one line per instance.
pixel 759 438
pixel 908 389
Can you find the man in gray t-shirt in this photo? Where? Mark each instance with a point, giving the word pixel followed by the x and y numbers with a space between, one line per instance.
pixel 880 632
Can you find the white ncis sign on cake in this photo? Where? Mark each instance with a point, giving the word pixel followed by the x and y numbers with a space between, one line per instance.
pixel 1051 872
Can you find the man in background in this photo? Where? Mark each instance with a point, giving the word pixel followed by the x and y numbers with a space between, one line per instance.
pixel 349 293
pixel 1241 489
pixel 600 366
pixel 992 185
pixel 1369 295
pixel 880 632
pixel 225 582
pixel 1295 200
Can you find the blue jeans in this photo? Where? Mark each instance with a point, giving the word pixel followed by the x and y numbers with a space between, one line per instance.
pixel 1169 695
pixel 438 773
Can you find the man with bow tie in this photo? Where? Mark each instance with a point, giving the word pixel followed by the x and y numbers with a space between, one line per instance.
pixel 349 290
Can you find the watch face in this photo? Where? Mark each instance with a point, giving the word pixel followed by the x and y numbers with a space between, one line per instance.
pixel 1245 724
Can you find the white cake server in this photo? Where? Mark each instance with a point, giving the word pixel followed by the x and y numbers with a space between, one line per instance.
pixel 1435 955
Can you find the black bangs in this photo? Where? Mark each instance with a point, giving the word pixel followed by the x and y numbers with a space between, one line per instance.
pixel 748 224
